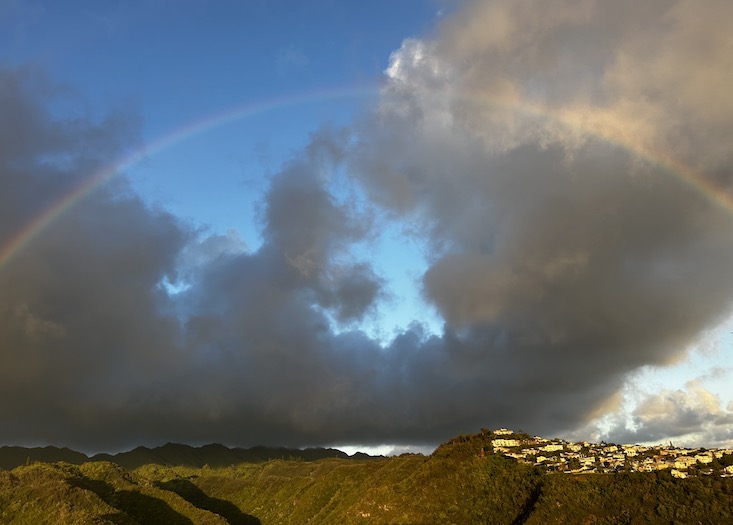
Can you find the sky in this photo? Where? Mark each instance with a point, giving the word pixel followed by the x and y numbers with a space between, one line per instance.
pixel 373 225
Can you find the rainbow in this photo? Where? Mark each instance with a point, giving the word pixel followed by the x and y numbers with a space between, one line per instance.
pixel 614 132
pixel 16 244
pixel 602 126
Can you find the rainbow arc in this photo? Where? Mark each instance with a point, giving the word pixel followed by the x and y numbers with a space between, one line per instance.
pixel 601 126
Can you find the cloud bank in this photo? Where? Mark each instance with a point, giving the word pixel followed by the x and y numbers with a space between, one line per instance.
pixel 517 145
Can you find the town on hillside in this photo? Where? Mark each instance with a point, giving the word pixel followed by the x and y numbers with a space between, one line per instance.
pixel 557 455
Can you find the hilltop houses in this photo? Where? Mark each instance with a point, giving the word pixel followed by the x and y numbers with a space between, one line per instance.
pixel 583 457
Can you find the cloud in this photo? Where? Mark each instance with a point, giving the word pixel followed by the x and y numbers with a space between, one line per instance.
pixel 692 416
pixel 516 146
pixel 81 316
pixel 528 143
pixel 97 354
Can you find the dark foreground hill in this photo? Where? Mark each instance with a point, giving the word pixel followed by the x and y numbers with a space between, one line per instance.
pixel 454 485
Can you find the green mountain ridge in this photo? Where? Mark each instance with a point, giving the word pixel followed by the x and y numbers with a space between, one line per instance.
pixel 213 455
pixel 461 483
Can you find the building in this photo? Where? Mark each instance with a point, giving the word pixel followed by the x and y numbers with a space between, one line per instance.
pixel 506 442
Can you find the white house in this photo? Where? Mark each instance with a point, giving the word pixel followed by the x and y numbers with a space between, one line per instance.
pixel 506 442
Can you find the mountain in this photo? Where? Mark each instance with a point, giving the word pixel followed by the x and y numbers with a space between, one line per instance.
pixel 11 457
pixel 463 482
pixel 213 455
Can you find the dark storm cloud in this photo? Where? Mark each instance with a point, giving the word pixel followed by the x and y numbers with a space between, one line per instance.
pixel 559 259
pixel 80 310
pixel 96 354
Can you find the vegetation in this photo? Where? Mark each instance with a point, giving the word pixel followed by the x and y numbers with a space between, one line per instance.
pixel 458 484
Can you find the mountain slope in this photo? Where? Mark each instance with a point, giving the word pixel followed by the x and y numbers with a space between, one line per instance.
pixel 98 493
pixel 461 483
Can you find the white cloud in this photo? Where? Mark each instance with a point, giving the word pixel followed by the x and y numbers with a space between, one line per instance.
pixel 691 416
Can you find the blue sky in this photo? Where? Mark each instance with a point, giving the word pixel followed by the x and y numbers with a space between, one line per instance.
pixel 177 63
pixel 459 214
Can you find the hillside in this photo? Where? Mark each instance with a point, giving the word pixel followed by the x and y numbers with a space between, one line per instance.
pixel 456 485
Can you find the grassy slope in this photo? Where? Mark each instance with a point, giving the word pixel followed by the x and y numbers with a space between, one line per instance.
pixel 405 490
pixel 94 493
pixel 634 498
